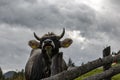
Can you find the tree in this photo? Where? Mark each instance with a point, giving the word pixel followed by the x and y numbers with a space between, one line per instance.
pixel 1 73
pixel 70 63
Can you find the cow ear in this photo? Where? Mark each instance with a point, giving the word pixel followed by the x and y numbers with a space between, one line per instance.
pixel 66 43
pixel 33 44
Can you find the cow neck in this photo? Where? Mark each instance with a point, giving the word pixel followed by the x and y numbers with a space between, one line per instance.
pixel 46 57
pixel 49 54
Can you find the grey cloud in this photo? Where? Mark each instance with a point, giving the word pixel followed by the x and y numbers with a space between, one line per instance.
pixel 29 14
pixel 114 2
pixel 13 47
pixel 112 5
pixel 46 15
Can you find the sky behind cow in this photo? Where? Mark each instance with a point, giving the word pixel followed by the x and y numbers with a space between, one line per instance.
pixel 92 24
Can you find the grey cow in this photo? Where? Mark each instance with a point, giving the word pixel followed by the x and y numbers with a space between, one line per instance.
pixel 43 51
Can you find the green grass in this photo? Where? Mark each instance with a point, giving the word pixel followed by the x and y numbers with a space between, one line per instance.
pixel 116 77
pixel 98 70
pixel 89 74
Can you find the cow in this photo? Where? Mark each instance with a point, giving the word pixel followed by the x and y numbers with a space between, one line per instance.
pixel 39 63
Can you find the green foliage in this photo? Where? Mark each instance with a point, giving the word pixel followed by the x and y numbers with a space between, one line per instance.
pixel 17 76
pixel 1 74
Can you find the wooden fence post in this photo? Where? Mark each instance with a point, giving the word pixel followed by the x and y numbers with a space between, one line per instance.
pixel 106 52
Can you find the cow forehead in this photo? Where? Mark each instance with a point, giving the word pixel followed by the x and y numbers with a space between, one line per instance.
pixel 49 36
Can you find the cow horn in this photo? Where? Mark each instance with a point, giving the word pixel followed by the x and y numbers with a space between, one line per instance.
pixel 36 36
pixel 59 37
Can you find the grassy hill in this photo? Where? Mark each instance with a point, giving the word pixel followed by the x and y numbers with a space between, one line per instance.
pixel 98 70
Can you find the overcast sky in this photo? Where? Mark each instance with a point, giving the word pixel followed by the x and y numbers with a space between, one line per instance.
pixel 92 24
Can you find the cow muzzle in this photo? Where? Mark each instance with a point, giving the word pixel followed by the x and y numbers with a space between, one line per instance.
pixel 48 44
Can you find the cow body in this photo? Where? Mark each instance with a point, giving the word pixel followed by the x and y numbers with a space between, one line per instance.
pixel 37 67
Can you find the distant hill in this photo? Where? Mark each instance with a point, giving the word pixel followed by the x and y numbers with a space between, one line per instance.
pixel 9 74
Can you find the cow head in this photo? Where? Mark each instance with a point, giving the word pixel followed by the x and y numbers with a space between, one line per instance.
pixel 50 43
